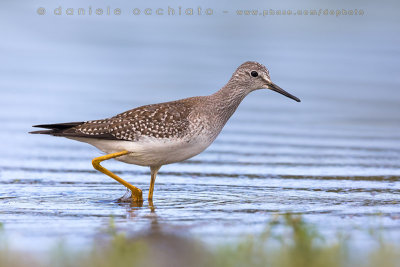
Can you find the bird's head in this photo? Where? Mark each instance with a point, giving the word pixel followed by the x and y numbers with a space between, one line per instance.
pixel 253 76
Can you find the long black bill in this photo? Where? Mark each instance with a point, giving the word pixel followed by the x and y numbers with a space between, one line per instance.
pixel 276 88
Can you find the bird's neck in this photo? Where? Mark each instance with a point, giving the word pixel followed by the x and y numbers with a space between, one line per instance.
pixel 227 99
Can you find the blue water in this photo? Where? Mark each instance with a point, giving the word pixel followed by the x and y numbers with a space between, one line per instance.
pixel 333 157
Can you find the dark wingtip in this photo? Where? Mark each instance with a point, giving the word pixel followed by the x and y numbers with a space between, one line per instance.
pixel 54 128
pixel 58 126
pixel 41 132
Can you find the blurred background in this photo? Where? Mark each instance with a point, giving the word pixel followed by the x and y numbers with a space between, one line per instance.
pixel 334 157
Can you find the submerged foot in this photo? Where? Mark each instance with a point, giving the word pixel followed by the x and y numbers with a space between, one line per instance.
pixel 129 197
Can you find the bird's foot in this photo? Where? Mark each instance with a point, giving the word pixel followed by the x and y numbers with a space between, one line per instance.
pixel 131 197
pixel 127 197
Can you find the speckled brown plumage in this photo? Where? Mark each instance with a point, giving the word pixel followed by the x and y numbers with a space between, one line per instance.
pixel 164 120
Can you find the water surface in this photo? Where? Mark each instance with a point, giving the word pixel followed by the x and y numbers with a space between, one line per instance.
pixel 334 157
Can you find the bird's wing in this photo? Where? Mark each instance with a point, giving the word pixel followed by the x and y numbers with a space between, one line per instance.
pixel 163 120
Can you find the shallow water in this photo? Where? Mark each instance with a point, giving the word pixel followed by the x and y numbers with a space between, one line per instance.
pixel 334 157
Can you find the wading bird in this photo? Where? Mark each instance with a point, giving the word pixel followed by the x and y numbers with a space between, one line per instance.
pixel 159 134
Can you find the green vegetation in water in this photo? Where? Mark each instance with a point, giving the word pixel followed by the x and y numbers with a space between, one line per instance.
pixel 287 241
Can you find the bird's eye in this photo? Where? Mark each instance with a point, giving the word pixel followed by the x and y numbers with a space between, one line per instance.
pixel 254 73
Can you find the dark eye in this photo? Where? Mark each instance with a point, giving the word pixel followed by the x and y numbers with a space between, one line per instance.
pixel 254 73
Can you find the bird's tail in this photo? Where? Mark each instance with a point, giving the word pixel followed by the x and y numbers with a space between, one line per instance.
pixel 54 129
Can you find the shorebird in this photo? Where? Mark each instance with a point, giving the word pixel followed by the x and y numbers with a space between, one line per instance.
pixel 159 134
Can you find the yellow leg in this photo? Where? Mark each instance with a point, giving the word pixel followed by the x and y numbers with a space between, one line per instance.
pixel 153 170
pixel 136 192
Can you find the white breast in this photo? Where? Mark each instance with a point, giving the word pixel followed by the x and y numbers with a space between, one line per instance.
pixel 150 151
